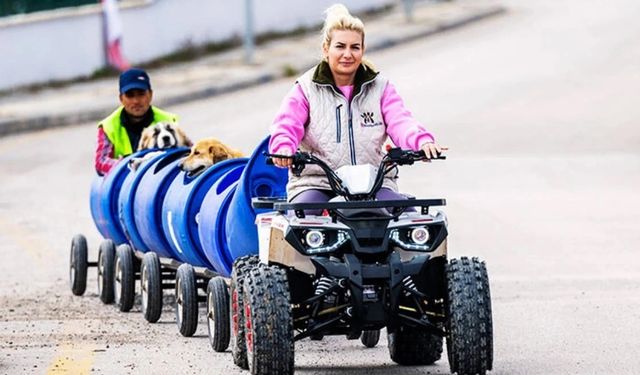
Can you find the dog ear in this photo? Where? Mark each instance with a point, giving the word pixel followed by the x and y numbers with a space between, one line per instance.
pixel 216 154
pixel 144 140
pixel 184 139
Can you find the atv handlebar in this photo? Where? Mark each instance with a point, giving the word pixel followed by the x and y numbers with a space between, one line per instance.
pixel 394 155
pixel 390 161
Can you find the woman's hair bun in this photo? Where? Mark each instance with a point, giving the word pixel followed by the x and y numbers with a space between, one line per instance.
pixel 337 17
pixel 337 11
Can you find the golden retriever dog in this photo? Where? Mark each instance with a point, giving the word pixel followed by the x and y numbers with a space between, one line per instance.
pixel 161 136
pixel 205 153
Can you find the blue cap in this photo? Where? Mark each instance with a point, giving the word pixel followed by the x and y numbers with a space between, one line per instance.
pixel 134 79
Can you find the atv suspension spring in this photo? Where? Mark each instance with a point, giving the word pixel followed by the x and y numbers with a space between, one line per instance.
pixel 409 285
pixel 323 284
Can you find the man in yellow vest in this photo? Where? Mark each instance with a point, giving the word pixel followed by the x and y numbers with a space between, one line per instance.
pixel 119 133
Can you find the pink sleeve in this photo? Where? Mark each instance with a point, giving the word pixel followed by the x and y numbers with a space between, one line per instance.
pixel 287 129
pixel 405 131
pixel 104 154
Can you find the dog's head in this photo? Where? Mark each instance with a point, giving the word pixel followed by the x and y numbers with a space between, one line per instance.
pixel 205 153
pixel 163 135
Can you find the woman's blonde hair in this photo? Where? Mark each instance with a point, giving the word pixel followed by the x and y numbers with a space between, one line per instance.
pixel 339 18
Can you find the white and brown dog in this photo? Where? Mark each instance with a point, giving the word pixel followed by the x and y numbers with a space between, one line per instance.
pixel 161 136
pixel 205 153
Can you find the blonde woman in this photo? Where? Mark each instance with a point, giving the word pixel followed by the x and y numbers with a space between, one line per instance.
pixel 342 111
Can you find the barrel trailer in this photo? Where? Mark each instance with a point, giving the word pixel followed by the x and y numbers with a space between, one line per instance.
pixel 272 272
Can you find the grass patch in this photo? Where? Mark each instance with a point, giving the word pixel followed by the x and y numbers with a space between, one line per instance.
pixel 289 71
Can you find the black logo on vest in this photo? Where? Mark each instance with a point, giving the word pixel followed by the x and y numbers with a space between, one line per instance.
pixel 368 120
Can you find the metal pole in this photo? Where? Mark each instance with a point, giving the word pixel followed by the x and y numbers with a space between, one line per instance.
pixel 408 9
pixel 249 38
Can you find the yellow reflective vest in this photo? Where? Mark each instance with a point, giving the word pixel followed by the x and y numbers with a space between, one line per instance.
pixel 117 134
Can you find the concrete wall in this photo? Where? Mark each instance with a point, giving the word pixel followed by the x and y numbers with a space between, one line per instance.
pixel 68 43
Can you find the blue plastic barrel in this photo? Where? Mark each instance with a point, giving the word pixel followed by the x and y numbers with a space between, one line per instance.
pixel 147 205
pixel 104 200
pixel 257 180
pixel 96 208
pixel 128 194
pixel 212 221
pixel 182 205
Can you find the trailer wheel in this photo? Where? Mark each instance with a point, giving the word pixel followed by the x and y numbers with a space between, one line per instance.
pixel 238 348
pixel 268 321
pixel 218 314
pixel 186 300
pixel 370 338
pixel 410 346
pixel 78 265
pixel 469 321
pixel 151 287
pixel 124 278
pixel 106 260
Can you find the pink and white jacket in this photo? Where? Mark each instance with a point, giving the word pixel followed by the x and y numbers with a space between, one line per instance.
pixel 342 125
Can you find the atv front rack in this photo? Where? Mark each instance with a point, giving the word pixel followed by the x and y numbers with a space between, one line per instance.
pixel 280 205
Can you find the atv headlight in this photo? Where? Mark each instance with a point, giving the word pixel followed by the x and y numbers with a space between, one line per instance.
pixel 314 238
pixel 420 235
pixel 316 241
pixel 411 238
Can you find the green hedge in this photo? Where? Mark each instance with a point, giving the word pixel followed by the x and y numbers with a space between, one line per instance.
pixel 11 7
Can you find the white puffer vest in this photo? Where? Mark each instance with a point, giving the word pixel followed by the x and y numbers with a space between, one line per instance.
pixel 339 132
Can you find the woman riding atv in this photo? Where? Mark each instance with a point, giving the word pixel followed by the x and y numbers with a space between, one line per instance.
pixel 342 111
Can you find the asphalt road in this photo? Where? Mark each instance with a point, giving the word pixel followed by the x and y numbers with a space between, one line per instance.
pixel 540 110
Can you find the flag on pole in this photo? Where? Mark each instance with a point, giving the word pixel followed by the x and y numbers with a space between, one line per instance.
pixel 113 35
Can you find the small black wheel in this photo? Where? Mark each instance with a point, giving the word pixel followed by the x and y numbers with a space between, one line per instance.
pixel 218 314
pixel 151 287
pixel 78 265
pixel 124 278
pixel 268 321
pixel 186 300
pixel 106 260
pixel 238 348
pixel 409 346
pixel 469 321
pixel 370 338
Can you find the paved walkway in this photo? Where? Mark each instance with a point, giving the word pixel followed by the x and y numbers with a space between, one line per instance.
pixel 220 73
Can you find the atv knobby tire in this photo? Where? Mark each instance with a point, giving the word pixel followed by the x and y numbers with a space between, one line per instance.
pixel 410 346
pixel 236 308
pixel 268 321
pixel 469 323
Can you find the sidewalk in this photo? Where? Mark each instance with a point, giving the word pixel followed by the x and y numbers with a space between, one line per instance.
pixel 226 72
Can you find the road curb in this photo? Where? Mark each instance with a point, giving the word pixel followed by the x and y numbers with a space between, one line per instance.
pixel 22 125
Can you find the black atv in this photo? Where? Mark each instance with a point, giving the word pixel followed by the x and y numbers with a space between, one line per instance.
pixel 357 267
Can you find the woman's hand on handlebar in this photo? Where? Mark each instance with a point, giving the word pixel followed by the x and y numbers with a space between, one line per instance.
pixel 432 150
pixel 283 162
